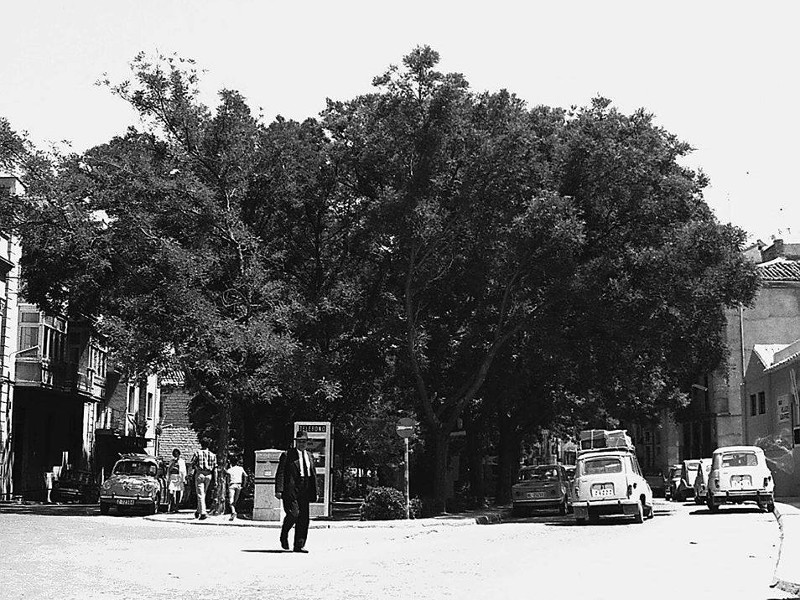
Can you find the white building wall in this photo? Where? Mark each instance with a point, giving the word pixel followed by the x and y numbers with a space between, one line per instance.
pixel 10 252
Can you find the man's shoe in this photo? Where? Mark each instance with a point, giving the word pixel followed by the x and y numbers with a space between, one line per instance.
pixel 196 515
pixel 284 544
pixel 203 517
pixel 233 516
pixel 303 550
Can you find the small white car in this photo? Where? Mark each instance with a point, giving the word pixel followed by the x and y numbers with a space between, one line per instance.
pixel 740 474
pixel 609 482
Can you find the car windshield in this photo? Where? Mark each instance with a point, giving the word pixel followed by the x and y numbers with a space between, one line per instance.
pixel 739 459
pixel 135 467
pixel 597 466
pixel 692 467
pixel 674 473
pixel 539 474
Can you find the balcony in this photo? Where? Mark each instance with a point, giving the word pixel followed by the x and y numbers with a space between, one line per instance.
pixel 33 370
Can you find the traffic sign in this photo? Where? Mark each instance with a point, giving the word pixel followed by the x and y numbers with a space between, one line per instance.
pixel 405 427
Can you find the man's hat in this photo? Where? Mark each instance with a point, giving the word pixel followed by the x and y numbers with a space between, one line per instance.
pixel 301 435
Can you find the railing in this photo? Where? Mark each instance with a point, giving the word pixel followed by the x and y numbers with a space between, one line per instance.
pixel 59 376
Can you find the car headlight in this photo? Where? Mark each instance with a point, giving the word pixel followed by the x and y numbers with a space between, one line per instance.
pixel 107 484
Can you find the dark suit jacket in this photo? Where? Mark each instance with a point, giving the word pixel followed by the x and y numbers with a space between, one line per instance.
pixel 287 478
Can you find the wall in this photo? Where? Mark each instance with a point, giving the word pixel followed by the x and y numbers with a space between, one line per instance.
pixel 772 430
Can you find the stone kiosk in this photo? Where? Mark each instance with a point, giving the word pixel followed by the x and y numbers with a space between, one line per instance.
pixel 266 507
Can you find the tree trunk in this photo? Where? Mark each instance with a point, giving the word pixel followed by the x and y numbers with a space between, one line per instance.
pixel 476 450
pixel 507 459
pixel 223 437
pixel 441 442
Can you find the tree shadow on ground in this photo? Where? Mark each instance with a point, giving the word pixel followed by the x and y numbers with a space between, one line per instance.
pixel 51 510
pixel 725 508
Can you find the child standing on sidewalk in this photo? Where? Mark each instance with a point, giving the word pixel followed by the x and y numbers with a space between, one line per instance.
pixel 236 481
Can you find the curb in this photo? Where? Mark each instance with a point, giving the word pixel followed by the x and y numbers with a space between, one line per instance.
pixel 787 567
pixel 223 521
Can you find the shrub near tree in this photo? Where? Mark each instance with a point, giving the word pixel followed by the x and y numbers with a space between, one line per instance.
pixel 382 504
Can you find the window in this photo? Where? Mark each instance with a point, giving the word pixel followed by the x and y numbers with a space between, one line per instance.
pixel 28 337
pixel 752 405
pixel 149 406
pixel 131 399
pixel 600 466
pixel 762 403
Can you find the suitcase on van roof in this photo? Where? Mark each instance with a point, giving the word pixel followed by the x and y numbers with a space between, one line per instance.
pixel 605 438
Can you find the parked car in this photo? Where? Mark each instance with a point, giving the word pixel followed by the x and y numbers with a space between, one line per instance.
pixel 685 487
pixel 137 480
pixel 740 474
pixel 701 481
pixel 74 485
pixel 542 486
pixel 672 481
pixel 609 482
pixel 657 483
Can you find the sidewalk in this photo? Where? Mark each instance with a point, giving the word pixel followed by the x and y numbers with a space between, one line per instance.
pixel 787 568
pixel 482 517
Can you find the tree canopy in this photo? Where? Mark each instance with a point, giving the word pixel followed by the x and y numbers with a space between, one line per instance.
pixel 422 249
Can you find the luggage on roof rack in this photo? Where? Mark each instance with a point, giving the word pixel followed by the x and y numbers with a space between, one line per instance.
pixel 592 439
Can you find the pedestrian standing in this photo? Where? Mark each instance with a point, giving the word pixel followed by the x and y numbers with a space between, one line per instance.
pixel 176 479
pixel 236 480
pixel 296 487
pixel 204 462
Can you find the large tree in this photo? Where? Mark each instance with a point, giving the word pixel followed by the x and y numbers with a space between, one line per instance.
pixel 148 236
pixel 576 237
pixel 459 186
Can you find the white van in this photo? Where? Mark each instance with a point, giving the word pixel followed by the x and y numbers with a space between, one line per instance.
pixel 609 482
pixel 740 474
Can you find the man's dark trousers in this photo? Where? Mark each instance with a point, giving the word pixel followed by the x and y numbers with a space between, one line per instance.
pixel 297 515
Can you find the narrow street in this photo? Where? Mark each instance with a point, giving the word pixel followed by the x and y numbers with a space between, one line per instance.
pixel 684 552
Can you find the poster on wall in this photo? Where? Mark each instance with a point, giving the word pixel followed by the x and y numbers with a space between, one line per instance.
pixel 320 445
pixel 784 408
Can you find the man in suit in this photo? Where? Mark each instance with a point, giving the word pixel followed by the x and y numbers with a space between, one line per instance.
pixel 296 486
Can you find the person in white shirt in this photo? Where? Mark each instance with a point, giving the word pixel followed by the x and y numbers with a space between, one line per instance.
pixel 176 478
pixel 236 481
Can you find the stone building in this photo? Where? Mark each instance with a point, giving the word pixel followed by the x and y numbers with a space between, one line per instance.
pixel 717 414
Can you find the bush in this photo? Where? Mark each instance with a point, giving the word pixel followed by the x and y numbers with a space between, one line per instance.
pixel 347 486
pixel 383 503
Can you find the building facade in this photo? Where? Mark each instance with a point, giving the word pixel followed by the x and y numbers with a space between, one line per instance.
pixel 717 412
pixel 772 413
pixel 10 253
pixel 128 419
pixel 59 380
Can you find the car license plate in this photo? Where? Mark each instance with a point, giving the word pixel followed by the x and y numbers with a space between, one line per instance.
pixel 604 490
pixel 124 500
pixel 740 481
pixel 535 495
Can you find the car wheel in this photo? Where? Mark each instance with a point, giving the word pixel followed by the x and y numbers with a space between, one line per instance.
pixel 770 506
pixel 639 516
pixel 712 504
pixel 104 508
pixel 562 508
pixel 649 512
pixel 580 521
pixel 152 508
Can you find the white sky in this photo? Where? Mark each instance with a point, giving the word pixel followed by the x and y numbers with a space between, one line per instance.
pixel 723 76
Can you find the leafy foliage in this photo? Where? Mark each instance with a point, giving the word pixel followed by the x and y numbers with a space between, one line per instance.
pixel 422 249
pixel 383 503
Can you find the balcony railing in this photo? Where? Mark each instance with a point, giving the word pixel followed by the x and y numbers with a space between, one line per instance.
pixel 58 376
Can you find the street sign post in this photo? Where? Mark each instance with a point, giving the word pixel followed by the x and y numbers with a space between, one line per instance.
pixel 405 429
